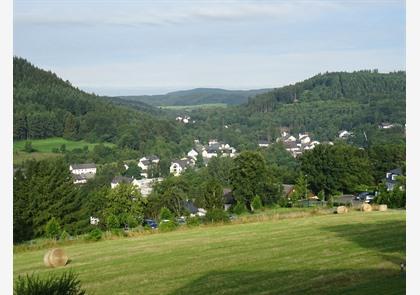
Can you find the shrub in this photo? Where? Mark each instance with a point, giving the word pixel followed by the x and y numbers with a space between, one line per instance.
pixel 216 215
pixel 165 214
pixel 167 226
pixel 66 283
pixel 112 222
pixel 52 229
pixel 256 203
pixel 64 236
pixel 193 221
pixel 95 235
pixel 28 147
pixel 239 208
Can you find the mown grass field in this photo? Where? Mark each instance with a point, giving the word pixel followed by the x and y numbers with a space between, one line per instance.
pixel 355 253
pixel 43 148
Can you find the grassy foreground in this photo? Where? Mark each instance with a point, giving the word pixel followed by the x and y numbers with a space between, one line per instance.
pixel 355 253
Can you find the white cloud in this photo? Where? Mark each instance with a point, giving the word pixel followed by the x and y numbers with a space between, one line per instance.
pixel 164 13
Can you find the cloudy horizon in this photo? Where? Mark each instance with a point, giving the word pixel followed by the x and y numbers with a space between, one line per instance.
pixel 145 47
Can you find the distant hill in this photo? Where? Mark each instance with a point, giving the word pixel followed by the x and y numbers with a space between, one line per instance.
pixel 198 96
pixel 46 106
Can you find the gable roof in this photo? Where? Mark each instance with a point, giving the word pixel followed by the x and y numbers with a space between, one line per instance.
pixel 287 189
pixel 83 166
pixel 182 163
pixel 121 179
pixel 396 171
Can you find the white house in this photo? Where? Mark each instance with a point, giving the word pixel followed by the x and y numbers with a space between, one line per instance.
pixel 146 162
pixel 146 185
pixel 302 135
pixel 94 220
pixel 344 134
pixel 291 138
pixel 305 139
pixel 263 143
pixel 82 172
pixel 178 166
pixel 193 154
pixel 83 168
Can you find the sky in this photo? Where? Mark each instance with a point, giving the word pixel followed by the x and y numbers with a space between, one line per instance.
pixel 152 47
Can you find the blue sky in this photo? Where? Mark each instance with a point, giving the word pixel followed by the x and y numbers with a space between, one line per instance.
pixel 148 47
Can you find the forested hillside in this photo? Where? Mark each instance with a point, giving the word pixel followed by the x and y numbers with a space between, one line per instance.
pixel 198 96
pixel 46 106
pixel 321 105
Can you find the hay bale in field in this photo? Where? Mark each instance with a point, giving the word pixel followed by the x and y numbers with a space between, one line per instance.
pixel 47 258
pixel 341 209
pixel 366 208
pixel 55 257
pixel 383 207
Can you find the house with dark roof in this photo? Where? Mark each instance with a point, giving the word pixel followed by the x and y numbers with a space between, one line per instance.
pixel 391 178
pixel 82 172
pixel 146 162
pixel 178 166
pixel 120 179
pixel 263 143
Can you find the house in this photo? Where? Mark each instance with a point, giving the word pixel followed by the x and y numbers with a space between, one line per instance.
pixel 386 125
pixel 210 152
pixel 120 179
pixel 83 168
pixel 82 178
pixel 229 200
pixel 82 172
pixel 344 134
pixel 193 154
pixel 288 190
pixel 178 166
pixel 193 210
pixel 146 185
pixel 391 178
pixel 263 143
pixel 146 162
pixel 304 139
pixel 291 138
pixel 94 220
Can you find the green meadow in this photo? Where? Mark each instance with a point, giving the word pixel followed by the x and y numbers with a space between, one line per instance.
pixel 43 148
pixel 354 253
pixel 193 107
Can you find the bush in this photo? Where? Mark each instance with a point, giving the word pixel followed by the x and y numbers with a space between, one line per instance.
pixel 112 222
pixel 167 226
pixel 239 208
pixel 193 221
pixel 256 203
pixel 52 229
pixel 165 214
pixel 28 147
pixel 95 235
pixel 67 283
pixel 216 215
pixel 64 236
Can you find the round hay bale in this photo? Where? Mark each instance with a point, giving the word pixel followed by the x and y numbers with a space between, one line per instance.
pixel 383 207
pixel 341 209
pixel 47 258
pixel 57 257
pixel 366 208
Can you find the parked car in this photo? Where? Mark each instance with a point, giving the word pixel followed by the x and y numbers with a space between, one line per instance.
pixel 151 223
pixel 181 220
pixel 365 197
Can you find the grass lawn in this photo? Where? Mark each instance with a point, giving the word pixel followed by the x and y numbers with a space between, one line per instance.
pixel 354 253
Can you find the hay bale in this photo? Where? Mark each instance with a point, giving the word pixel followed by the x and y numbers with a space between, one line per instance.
pixel 366 207
pixel 341 209
pixel 56 257
pixel 47 258
pixel 383 207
